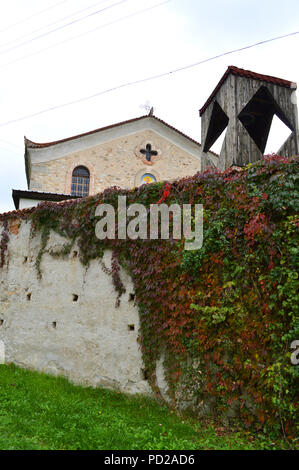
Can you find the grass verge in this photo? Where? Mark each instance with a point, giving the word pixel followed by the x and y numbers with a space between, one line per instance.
pixel 38 411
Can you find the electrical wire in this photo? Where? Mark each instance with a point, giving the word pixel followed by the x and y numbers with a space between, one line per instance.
pixel 32 16
pixel 143 80
pixel 51 24
pixel 7 149
pixel 10 143
pixel 84 33
pixel 71 23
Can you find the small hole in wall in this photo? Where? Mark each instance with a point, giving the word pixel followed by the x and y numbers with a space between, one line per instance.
pixel 131 327
pixel 1 321
pixel 145 374
pixel 131 297
pixel 75 254
pixel 29 296
pixel 25 259
pixel 75 298
pixel 54 324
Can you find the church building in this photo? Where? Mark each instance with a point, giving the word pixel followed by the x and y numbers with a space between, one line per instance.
pixel 146 149
pixel 127 154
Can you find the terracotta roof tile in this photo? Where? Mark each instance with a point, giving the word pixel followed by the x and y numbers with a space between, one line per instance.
pixel 34 145
pixel 16 214
pixel 248 74
pixel 22 213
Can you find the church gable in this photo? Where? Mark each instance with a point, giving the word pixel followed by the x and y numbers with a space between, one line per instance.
pixel 126 155
pixel 120 162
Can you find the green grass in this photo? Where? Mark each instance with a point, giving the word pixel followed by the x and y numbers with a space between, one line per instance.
pixel 38 411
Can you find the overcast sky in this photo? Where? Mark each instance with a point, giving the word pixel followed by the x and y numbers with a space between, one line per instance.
pixel 54 52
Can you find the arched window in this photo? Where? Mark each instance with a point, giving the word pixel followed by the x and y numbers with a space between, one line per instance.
pixel 80 181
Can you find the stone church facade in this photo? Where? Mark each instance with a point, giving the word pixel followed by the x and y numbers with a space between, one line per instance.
pixel 127 154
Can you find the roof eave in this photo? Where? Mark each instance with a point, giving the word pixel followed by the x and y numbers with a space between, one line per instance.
pixel 16 199
pixel 17 194
pixel 231 69
pixel 29 144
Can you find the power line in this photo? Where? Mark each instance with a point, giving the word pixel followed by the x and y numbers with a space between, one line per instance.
pixel 147 79
pixel 9 150
pixel 51 24
pixel 6 147
pixel 32 16
pixel 85 33
pixel 64 26
pixel 10 143
pixel 236 50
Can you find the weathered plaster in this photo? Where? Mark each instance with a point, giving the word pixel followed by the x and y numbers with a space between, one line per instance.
pixel 88 340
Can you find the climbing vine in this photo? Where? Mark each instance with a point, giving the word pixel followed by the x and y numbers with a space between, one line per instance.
pixel 223 316
pixel 4 243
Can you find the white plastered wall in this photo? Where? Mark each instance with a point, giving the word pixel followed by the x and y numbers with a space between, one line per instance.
pixel 46 328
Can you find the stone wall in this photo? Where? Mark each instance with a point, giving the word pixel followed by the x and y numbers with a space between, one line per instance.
pixel 115 163
pixel 67 323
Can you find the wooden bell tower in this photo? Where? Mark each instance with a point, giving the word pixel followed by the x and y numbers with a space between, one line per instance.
pixel 244 103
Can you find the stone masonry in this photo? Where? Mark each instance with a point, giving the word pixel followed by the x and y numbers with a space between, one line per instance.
pixel 114 163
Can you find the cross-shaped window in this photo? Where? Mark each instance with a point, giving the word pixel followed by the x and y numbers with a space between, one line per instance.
pixel 148 152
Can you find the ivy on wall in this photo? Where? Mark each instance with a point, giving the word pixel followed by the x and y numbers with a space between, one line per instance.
pixel 224 316
pixel 4 243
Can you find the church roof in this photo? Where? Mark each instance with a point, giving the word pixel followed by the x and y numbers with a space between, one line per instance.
pixel 34 145
pixel 150 118
pixel 17 194
pixel 16 214
pixel 60 199
pixel 247 74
